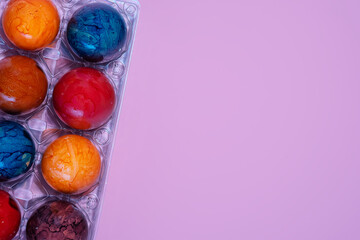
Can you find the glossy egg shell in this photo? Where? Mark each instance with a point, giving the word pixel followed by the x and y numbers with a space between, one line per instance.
pixel 23 85
pixel 17 150
pixel 96 32
pixel 84 98
pixel 10 216
pixel 30 24
pixel 71 164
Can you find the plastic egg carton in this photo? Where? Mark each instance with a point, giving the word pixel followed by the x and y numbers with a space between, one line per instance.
pixel 30 190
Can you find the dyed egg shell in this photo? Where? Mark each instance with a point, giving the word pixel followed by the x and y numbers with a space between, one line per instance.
pixel 71 164
pixel 23 85
pixel 17 150
pixel 84 98
pixel 57 220
pixel 96 32
pixel 10 216
pixel 30 24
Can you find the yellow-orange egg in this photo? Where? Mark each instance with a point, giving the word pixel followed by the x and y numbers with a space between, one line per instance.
pixel 71 164
pixel 31 24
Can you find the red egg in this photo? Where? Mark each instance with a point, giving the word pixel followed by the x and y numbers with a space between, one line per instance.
pixel 84 98
pixel 10 216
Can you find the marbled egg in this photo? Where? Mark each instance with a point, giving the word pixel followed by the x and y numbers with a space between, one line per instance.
pixel 96 32
pixel 71 164
pixel 31 24
pixel 84 98
pixel 17 150
pixel 57 220
pixel 23 85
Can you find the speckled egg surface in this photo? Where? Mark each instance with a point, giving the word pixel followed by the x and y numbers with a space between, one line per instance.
pixel 96 32
pixel 17 150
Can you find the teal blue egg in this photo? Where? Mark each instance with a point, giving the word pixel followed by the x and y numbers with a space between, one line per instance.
pixel 17 150
pixel 96 32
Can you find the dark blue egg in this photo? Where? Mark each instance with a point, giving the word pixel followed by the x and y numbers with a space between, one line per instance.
pixel 17 150
pixel 96 32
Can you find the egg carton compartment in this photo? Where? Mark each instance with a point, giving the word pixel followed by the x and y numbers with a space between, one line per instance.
pixel 30 190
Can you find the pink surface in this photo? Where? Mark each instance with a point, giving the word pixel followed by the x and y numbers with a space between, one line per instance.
pixel 241 121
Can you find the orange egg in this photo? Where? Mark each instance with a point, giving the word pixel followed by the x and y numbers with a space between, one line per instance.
pixel 71 164
pixel 23 85
pixel 31 24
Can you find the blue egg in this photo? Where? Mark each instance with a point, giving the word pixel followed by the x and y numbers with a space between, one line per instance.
pixel 17 150
pixel 96 32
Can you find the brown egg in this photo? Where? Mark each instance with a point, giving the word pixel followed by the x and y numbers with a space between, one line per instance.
pixel 23 85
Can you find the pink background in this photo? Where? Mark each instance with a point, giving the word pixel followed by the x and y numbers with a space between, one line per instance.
pixel 241 121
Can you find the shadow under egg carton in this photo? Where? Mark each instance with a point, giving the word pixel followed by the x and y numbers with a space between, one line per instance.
pixel 30 190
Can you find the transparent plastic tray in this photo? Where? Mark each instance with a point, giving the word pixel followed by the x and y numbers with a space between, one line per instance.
pixel 30 190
